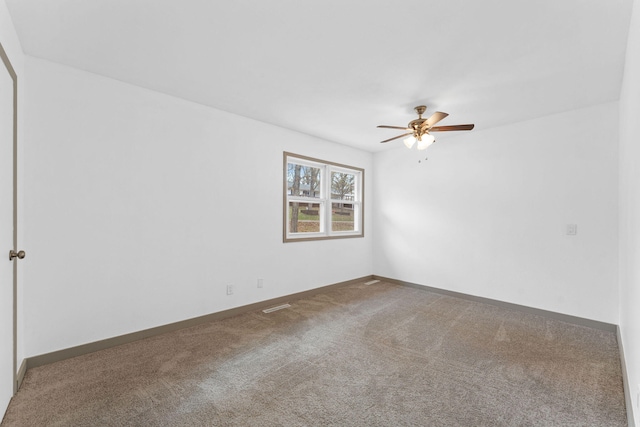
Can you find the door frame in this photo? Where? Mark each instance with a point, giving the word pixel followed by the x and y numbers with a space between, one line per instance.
pixel 14 77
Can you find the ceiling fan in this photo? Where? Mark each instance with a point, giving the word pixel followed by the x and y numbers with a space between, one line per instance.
pixel 419 129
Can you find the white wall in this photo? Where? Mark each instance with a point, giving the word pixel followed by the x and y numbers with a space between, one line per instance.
pixel 143 207
pixel 630 210
pixel 485 215
pixel 11 45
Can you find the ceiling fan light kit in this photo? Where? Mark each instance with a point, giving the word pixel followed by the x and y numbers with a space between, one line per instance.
pixel 418 129
pixel 408 142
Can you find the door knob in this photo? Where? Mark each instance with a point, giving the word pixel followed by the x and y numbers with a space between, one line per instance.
pixel 13 254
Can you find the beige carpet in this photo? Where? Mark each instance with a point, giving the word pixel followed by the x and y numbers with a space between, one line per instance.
pixel 378 355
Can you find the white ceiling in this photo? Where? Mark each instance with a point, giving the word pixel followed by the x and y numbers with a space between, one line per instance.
pixel 337 68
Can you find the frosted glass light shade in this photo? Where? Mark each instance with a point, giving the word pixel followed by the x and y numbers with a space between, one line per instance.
pixel 426 140
pixel 408 142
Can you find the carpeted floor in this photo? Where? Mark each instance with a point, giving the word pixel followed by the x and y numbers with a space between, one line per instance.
pixel 378 355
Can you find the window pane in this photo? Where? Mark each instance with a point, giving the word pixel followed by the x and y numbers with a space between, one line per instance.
pixel 342 217
pixel 303 180
pixel 343 186
pixel 304 217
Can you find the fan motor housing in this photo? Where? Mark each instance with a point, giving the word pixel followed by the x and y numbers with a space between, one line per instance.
pixel 415 124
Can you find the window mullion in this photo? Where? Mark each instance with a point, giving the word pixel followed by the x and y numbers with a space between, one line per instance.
pixel 326 195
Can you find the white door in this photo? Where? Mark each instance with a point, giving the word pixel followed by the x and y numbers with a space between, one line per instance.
pixel 7 271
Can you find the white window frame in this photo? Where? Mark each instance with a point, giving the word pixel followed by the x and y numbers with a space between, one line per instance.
pixel 324 200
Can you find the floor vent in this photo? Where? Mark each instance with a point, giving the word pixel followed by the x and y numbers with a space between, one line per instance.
pixel 276 308
pixel 371 282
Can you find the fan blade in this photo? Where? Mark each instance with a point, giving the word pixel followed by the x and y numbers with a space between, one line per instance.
pixel 435 118
pixel 394 127
pixel 450 128
pixel 396 137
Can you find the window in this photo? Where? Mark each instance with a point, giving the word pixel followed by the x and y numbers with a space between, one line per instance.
pixel 322 200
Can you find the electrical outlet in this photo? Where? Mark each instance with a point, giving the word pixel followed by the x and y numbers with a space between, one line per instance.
pixel 260 283
pixel 229 289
